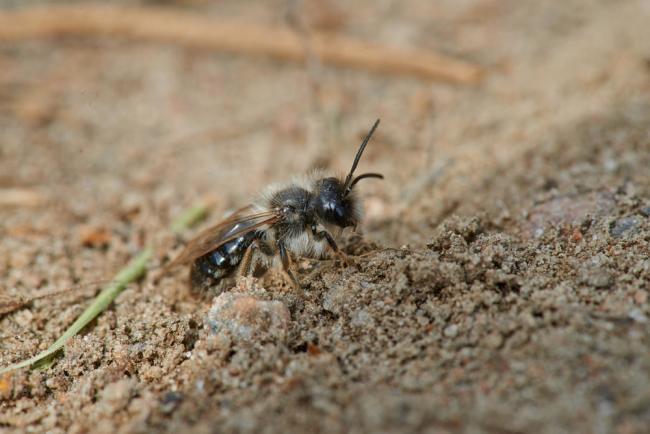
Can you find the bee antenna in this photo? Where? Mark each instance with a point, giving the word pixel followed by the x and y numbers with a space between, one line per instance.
pixel 349 183
pixel 365 175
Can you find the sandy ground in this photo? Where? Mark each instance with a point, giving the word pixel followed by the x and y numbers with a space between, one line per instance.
pixel 501 282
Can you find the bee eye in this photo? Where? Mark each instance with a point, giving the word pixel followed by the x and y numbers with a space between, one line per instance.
pixel 333 211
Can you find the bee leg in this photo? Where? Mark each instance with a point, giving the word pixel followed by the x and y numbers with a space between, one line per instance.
pixel 341 257
pixel 247 259
pixel 287 265
pixel 253 260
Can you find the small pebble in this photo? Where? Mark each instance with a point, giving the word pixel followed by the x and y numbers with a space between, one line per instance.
pixel 623 226
pixel 493 340
pixel 116 395
pixel 610 165
pixel 596 277
pixel 91 236
pixel 566 210
pixel 6 386
pixel 645 212
pixel 451 331
pixel 247 318
pixel 170 401
pixel 640 297
pixel 361 318
pixel 637 315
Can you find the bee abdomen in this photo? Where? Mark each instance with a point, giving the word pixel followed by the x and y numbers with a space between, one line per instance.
pixel 209 270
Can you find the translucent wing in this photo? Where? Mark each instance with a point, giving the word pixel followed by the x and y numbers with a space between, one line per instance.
pixel 239 223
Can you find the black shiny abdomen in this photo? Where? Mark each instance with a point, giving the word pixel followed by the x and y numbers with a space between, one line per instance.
pixel 209 269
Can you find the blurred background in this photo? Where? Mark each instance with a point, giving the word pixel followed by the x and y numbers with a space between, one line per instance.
pixel 111 106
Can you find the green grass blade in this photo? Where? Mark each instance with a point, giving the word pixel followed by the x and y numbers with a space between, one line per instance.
pixel 189 218
pixel 133 271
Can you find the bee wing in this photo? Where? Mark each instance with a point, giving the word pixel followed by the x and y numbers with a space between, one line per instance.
pixel 223 232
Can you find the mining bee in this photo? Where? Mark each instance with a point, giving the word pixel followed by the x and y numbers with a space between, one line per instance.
pixel 295 219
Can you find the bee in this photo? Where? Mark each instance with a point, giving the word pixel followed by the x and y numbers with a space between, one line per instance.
pixel 298 219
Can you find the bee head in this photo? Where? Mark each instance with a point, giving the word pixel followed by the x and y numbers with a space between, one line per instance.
pixel 335 201
pixel 332 204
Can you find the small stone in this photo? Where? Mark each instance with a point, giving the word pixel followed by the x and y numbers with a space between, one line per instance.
pixel 117 395
pixel 576 236
pixel 361 318
pixel 640 296
pixel 170 401
pixel 336 298
pixel 623 226
pixel 451 331
pixel 567 210
pixel 6 386
pixel 493 340
pixel 313 350
pixel 610 165
pixel 637 315
pixel 645 212
pixel 596 277
pixel 97 237
pixel 528 319
pixel 247 318
pixel 518 339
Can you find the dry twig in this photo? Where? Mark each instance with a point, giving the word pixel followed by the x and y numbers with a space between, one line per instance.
pixel 197 31
pixel 17 197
